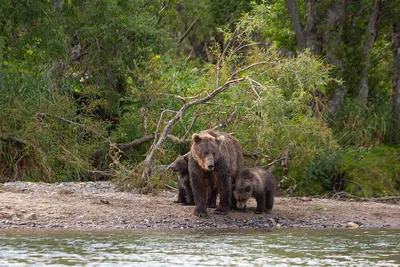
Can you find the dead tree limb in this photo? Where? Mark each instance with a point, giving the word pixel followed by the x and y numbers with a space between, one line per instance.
pixel 343 194
pixel 144 121
pixel 187 31
pixel 136 142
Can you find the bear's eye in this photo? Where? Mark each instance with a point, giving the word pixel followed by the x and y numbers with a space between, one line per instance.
pixel 206 153
pixel 248 188
pixel 213 153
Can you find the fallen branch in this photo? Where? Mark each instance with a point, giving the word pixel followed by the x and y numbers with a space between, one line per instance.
pixel 274 162
pixel 136 142
pixel 343 194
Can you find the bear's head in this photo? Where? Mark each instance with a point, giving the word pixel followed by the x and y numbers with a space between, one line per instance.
pixel 180 164
pixel 243 188
pixel 205 150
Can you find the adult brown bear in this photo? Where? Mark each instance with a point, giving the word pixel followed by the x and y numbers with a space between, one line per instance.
pixel 214 161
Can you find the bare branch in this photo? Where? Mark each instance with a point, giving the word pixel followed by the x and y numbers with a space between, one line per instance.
pixel 118 164
pixel 163 7
pixel 227 121
pixel 252 87
pixel 187 31
pixel 251 66
pixel 244 46
pixel 144 121
pixel 136 142
pixel 343 194
pixel 274 162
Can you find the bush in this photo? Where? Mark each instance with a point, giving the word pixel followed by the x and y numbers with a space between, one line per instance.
pixel 372 173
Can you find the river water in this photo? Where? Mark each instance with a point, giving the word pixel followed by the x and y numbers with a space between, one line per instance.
pixel 210 247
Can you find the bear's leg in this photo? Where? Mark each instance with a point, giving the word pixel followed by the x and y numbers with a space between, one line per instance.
pixel 181 195
pixel 225 191
pixel 269 203
pixel 181 192
pixel 188 190
pixel 199 188
pixel 260 198
pixel 233 199
pixel 212 196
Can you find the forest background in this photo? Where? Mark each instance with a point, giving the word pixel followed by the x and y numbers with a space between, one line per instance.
pixel 113 90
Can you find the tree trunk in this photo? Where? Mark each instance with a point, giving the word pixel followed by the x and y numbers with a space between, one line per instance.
pixel 298 30
pixel 370 36
pixel 311 31
pixel 396 81
pixel 333 43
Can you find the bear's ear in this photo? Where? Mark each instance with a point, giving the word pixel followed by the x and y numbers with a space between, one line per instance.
pixel 219 139
pixel 196 138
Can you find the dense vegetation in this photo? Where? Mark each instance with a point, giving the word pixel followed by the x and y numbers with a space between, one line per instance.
pixel 115 89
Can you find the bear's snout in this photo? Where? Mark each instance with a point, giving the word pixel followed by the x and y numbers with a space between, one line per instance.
pixel 241 204
pixel 209 163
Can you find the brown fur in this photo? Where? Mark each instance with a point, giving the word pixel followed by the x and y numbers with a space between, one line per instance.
pixel 214 161
pixel 257 183
pixel 180 166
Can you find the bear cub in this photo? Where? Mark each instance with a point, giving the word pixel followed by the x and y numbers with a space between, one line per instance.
pixel 180 166
pixel 257 183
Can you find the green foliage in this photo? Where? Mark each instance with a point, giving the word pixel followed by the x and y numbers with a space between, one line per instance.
pixel 225 12
pixel 372 173
pixel 278 28
pixel 323 171
pixel 359 127
pixel 55 145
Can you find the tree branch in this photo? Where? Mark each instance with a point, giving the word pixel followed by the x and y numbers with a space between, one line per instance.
pixel 187 31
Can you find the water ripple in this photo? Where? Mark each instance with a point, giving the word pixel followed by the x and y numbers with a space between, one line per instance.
pixel 201 248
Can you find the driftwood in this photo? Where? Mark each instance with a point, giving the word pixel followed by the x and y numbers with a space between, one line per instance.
pixel 345 195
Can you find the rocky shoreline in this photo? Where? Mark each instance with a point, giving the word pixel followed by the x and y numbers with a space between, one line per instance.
pixel 98 205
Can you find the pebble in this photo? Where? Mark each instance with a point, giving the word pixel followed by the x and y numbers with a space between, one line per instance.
pixel 351 225
pixel 31 217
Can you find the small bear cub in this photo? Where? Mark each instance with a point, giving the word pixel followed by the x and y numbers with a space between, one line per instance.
pixel 180 166
pixel 257 183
